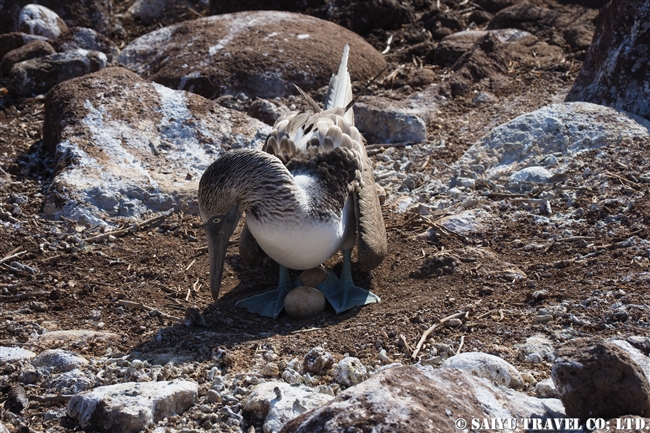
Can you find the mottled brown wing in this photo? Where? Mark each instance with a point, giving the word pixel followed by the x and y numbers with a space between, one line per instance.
pixel 280 141
pixel 303 134
pixel 371 231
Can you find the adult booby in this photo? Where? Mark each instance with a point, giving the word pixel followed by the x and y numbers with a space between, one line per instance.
pixel 307 194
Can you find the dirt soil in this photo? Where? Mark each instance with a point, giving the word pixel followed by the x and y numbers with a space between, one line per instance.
pixel 107 285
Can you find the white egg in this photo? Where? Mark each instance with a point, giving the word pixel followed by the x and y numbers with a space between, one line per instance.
pixel 304 301
pixel 313 277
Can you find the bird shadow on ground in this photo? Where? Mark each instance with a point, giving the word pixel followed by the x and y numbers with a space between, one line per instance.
pixel 204 334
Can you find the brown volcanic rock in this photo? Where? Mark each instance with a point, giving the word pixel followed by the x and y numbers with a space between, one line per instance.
pixel 492 56
pixel 615 72
pixel 366 16
pixel 87 39
pixel 526 16
pixel 259 53
pixel 29 51
pixel 494 6
pixel 40 74
pixel 553 25
pixel 452 47
pixel 597 379
pixel 11 41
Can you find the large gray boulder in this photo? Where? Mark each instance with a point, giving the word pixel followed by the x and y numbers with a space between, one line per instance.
pixel 597 379
pixel 124 146
pixel 9 355
pixel 258 53
pixel 39 20
pixel 87 39
pixel 565 128
pixel 414 399
pixel 58 360
pixel 131 407
pixel 382 120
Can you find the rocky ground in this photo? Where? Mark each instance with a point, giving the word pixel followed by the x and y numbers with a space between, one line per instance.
pixel 523 261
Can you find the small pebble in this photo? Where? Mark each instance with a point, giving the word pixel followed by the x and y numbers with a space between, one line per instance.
pixel 543 318
pixel 17 400
pixel 16 210
pixel 350 371
pixel 317 360
pixel 213 396
pixel 538 295
pixel 383 357
pixel 528 377
pixel 546 389
pixel 271 369
pixel 292 377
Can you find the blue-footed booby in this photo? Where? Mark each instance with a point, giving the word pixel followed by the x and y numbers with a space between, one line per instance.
pixel 307 194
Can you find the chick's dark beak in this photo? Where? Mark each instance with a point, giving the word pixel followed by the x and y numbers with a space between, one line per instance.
pixel 218 230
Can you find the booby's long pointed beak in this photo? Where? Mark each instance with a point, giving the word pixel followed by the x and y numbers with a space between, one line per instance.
pixel 218 230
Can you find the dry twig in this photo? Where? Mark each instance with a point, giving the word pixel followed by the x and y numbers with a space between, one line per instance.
pixel 460 346
pixel 51 398
pixel 198 14
pixel 486 314
pixel 301 331
pixel 623 180
pixel 404 342
pixel 462 314
pixel 49 259
pixel 12 256
pixel 549 246
pixel 21 296
pixel 575 238
pixel 134 228
pixel 14 251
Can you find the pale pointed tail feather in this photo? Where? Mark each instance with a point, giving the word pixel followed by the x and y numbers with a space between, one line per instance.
pixel 314 105
pixel 339 93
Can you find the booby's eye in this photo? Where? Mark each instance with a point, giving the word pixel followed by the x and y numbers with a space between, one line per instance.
pixel 216 220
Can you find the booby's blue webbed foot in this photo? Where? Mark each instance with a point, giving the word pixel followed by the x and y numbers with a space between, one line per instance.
pixel 271 303
pixel 341 293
